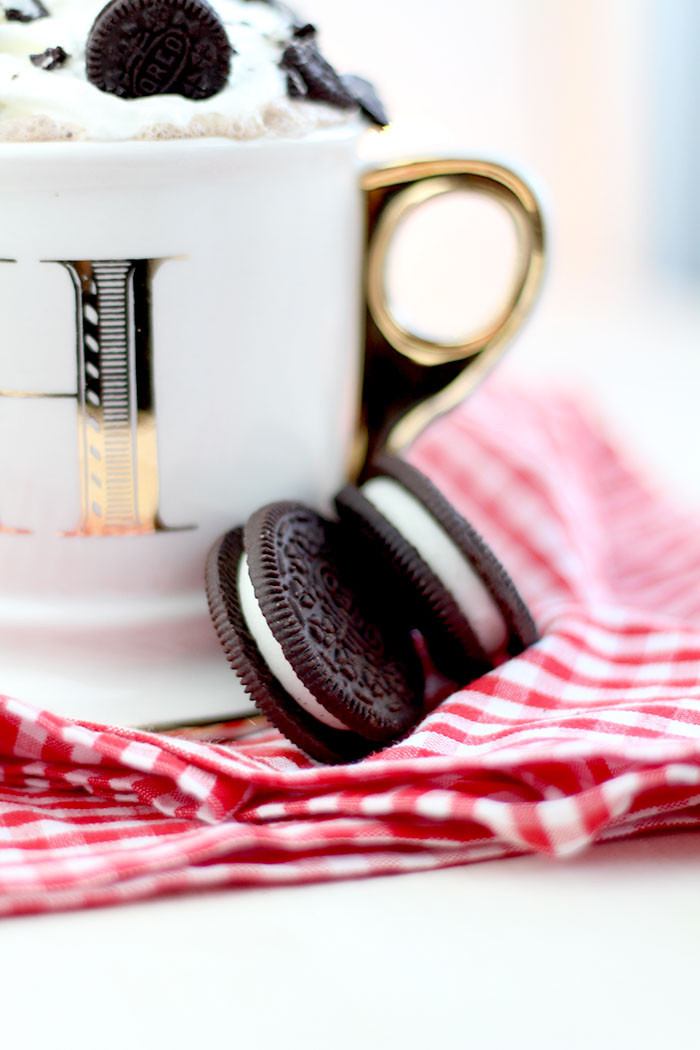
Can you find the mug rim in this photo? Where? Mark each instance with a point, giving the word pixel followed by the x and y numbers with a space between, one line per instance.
pixel 153 149
pixel 106 166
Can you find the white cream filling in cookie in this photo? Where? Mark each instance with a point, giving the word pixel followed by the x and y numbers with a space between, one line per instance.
pixel 417 525
pixel 272 653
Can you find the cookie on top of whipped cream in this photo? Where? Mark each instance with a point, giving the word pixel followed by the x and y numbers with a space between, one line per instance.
pixel 158 69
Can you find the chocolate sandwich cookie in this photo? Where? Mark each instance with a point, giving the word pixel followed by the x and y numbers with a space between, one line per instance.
pixel 338 682
pixel 459 595
pixel 137 48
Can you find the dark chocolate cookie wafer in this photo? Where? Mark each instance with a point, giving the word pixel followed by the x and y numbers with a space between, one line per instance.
pixel 335 681
pixel 51 58
pixel 137 48
pixel 310 76
pixel 367 98
pixel 25 11
pixel 462 599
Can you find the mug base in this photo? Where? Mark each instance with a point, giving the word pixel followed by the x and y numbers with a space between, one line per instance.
pixel 187 692
pixel 152 674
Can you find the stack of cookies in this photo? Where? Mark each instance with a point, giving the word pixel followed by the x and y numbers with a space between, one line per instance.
pixel 320 618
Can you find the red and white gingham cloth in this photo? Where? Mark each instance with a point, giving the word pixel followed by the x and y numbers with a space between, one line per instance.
pixel 592 734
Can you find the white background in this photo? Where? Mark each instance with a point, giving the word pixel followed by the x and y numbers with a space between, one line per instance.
pixel 570 94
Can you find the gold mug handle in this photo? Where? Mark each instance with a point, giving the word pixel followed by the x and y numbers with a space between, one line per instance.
pixel 408 379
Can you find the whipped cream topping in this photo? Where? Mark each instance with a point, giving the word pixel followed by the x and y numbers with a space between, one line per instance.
pixel 61 103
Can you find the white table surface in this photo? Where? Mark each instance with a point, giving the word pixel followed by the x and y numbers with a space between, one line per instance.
pixel 599 952
pixel 595 952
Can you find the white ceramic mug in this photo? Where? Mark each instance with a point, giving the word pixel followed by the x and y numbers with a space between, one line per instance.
pixel 181 343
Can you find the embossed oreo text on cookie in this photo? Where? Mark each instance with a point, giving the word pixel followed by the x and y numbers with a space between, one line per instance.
pixel 138 48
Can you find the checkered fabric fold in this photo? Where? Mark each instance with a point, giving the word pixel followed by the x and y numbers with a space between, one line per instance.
pixel 592 734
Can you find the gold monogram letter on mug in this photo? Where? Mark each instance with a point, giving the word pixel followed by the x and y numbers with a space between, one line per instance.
pixel 184 339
